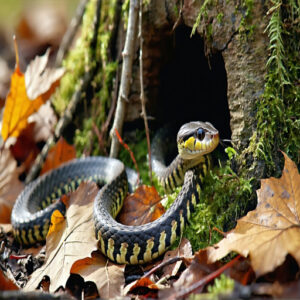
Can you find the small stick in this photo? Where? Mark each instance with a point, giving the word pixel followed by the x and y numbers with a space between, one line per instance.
pixel 163 264
pixel 128 54
pixel 144 114
pixel 224 234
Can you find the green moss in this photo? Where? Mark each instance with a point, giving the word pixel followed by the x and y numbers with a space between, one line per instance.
pixel 220 17
pixel 223 284
pixel 76 63
pixel 247 5
pixel 176 11
pixel 246 27
pixel 224 198
pixel 209 32
pixel 83 137
pixel 202 13
pixel 278 111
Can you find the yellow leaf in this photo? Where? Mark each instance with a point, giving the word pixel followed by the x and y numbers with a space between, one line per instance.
pixel 57 220
pixel 18 105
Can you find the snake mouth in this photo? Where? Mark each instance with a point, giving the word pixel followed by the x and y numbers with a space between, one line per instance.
pixel 196 139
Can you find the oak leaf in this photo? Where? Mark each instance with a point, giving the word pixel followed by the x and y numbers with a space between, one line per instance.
pixel 19 105
pixel 271 231
pixel 141 207
pixel 60 153
pixel 74 240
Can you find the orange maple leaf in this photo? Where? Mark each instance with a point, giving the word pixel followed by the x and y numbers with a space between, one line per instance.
pixel 18 105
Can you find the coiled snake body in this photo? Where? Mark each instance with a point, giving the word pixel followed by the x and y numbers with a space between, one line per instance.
pixel 123 244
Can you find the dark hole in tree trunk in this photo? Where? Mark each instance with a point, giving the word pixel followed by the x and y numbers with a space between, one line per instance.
pixel 193 86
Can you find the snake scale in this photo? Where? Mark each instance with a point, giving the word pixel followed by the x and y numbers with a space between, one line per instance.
pixel 120 243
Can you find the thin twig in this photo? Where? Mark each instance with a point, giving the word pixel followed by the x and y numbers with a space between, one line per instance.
pixel 163 264
pixel 131 155
pixel 128 54
pixel 144 113
pixel 70 33
pixel 68 113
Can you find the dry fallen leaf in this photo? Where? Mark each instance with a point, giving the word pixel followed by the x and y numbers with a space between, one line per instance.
pixel 108 277
pixel 10 185
pixel 141 207
pixel 75 239
pixel 18 105
pixel 271 231
pixel 41 81
pixel 60 153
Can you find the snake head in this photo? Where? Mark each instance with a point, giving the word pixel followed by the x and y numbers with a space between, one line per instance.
pixel 195 139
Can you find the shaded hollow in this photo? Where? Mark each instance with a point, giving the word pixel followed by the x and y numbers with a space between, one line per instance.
pixel 193 86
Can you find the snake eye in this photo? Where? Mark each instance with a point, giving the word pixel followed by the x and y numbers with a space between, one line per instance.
pixel 200 134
